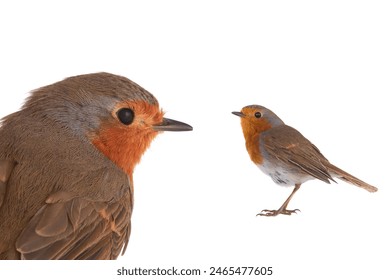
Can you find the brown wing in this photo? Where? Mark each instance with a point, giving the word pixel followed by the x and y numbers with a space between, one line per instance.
pixel 291 147
pixel 77 228
pixel 6 167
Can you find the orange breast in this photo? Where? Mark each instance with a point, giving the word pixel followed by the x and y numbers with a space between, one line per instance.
pixel 252 132
pixel 125 145
pixel 253 148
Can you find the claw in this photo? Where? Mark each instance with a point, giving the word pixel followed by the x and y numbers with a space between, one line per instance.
pixel 270 213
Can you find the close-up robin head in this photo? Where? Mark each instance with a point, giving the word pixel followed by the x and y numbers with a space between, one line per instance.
pixel 66 167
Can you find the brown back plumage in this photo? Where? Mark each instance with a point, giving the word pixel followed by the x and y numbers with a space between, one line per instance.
pixel 288 145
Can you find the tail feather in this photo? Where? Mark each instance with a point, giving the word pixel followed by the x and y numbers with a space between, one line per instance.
pixel 342 175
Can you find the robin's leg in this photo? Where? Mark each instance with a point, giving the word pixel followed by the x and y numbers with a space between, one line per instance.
pixel 282 209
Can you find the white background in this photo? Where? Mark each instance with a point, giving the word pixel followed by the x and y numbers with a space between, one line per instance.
pixel 322 66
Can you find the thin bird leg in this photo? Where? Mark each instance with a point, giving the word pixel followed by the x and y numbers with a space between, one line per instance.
pixel 282 209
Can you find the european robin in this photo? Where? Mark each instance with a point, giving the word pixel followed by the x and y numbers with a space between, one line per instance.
pixel 66 167
pixel 284 154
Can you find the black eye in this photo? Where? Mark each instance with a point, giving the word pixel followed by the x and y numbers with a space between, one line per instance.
pixel 125 115
pixel 258 115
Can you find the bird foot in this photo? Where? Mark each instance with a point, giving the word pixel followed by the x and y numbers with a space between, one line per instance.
pixel 270 213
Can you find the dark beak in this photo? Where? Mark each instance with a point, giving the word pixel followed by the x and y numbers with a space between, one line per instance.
pixel 172 125
pixel 238 114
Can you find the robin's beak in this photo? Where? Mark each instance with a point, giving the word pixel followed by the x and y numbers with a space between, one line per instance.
pixel 238 114
pixel 172 125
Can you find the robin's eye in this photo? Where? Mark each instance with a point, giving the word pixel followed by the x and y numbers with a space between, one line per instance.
pixel 125 115
pixel 258 115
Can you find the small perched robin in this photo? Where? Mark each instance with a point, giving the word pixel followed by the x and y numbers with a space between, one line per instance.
pixel 283 153
pixel 66 167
